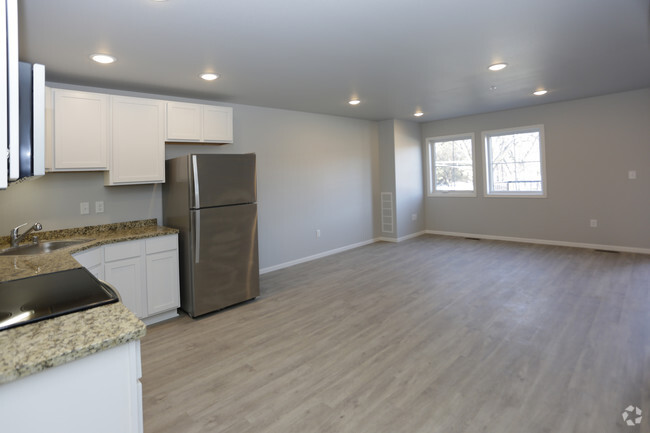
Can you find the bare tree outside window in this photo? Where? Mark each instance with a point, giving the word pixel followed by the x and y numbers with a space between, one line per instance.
pixel 451 164
pixel 514 161
pixel 454 165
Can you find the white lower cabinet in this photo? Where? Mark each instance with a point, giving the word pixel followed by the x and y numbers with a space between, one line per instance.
pixel 125 272
pixel 100 393
pixel 144 272
pixel 92 260
pixel 162 274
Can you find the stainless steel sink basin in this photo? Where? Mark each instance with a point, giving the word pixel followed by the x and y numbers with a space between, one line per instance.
pixel 40 248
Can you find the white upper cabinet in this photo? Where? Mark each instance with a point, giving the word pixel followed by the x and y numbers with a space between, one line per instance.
pixel 137 141
pixel 183 121
pixel 124 136
pixel 200 123
pixel 217 124
pixel 77 131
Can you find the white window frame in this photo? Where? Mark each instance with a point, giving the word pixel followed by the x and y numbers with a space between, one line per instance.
pixel 431 188
pixel 488 168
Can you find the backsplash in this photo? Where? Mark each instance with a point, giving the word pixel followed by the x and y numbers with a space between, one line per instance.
pixel 54 201
pixel 87 231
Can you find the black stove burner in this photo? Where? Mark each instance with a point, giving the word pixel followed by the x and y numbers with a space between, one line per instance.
pixel 43 297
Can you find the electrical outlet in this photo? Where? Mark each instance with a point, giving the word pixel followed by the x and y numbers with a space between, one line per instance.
pixel 631 174
pixel 84 208
pixel 99 207
pixel 414 217
pixel 317 233
pixel 593 223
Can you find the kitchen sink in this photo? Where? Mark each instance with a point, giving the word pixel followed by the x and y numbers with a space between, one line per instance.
pixel 41 297
pixel 41 247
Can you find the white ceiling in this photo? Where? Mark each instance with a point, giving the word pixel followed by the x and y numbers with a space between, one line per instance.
pixel 313 55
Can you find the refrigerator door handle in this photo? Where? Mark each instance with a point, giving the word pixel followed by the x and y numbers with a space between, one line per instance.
pixel 195 175
pixel 197 236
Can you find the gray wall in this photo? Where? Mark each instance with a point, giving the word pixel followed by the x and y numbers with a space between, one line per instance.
pixel 409 178
pixel 387 169
pixel 314 172
pixel 53 200
pixel 590 146
pixel 400 168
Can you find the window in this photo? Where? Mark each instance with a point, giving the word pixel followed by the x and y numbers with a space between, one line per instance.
pixel 451 165
pixel 514 162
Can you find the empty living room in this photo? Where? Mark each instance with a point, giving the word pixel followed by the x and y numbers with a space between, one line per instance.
pixel 325 217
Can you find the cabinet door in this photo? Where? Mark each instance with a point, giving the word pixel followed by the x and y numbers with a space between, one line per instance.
pixel 162 282
pixel 97 271
pixel 217 124
pixel 127 277
pixel 92 260
pixel 79 130
pixel 138 146
pixel 183 122
pixel 99 393
pixel 89 258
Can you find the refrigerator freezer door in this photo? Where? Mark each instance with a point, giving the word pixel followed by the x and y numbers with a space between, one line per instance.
pixel 222 180
pixel 224 258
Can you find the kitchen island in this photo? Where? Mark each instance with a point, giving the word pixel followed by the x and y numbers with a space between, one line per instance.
pixel 80 371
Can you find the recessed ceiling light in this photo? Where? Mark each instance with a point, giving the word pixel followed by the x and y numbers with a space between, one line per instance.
pixel 540 92
pixel 354 102
pixel 418 114
pixel 104 59
pixel 497 66
pixel 209 76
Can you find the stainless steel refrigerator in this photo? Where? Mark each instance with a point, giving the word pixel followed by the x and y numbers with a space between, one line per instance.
pixel 211 200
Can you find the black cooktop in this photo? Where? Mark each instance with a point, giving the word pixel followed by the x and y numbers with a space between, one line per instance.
pixel 43 297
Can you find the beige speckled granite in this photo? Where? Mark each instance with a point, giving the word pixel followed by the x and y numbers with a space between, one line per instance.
pixel 87 231
pixel 14 267
pixel 31 348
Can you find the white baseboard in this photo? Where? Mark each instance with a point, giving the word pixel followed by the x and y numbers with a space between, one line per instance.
pixel 544 242
pixel 411 236
pixel 315 256
pixel 160 317
pixel 457 234
pixel 403 238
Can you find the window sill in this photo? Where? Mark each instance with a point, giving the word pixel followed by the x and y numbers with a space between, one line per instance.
pixel 522 195
pixel 452 194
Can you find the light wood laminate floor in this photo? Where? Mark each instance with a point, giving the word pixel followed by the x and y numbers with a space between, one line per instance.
pixel 430 335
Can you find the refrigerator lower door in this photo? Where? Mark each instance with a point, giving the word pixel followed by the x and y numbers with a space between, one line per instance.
pixel 224 258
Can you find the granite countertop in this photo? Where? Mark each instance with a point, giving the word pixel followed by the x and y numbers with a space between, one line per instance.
pixel 15 267
pixel 32 348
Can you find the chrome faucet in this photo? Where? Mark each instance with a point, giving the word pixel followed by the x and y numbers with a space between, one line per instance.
pixel 16 238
